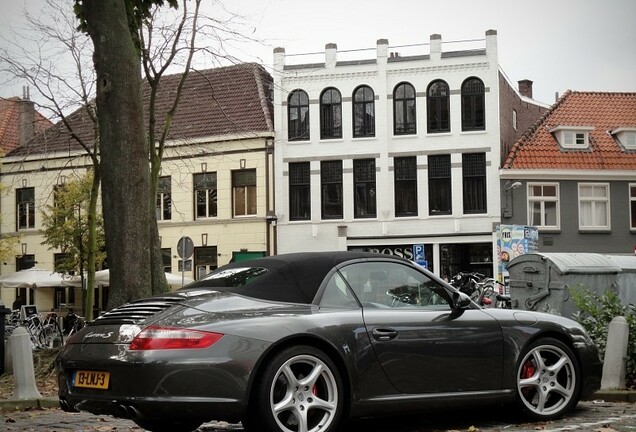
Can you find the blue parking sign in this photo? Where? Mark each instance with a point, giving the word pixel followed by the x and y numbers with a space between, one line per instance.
pixel 418 255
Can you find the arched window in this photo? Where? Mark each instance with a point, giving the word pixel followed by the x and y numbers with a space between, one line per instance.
pixel 438 107
pixel 363 112
pixel 298 116
pixel 404 109
pixel 330 114
pixel 473 111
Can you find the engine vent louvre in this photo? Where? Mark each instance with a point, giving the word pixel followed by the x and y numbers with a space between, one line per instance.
pixel 137 311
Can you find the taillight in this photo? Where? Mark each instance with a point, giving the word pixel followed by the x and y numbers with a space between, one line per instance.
pixel 159 338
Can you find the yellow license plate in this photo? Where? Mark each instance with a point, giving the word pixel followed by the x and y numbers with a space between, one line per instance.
pixel 91 379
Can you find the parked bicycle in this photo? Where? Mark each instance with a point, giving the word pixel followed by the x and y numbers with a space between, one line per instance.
pixel 50 334
pixel 72 324
pixel 44 334
pixel 485 291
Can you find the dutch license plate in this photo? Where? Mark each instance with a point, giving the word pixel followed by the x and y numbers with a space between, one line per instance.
pixel 91 379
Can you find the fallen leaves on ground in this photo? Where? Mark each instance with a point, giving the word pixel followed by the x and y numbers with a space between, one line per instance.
pixel 45 379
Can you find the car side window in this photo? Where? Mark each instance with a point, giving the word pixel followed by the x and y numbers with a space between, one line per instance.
pixel 337 294
pixel 394 285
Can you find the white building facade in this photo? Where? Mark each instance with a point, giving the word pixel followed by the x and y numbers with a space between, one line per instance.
pixel 395 154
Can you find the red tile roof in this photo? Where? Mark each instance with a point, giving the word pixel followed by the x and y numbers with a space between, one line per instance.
pixel 539 149
pixel 10 123
pixel 214 102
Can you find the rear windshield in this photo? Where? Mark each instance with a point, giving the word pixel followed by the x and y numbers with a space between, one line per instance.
pixel 274 280
pixel 290 278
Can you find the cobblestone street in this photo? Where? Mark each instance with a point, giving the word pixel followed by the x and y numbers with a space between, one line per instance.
pixel 598 416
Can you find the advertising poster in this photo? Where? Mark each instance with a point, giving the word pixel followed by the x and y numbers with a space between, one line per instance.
pixel 512 241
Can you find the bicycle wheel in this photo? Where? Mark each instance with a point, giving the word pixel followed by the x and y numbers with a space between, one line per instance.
pixel 50 336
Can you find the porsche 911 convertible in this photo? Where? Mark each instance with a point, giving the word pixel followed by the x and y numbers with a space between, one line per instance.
pixel 303 342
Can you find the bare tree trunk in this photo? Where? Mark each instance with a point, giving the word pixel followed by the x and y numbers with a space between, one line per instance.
pixel 124 150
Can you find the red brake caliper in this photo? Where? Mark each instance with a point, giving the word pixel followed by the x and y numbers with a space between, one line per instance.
pixel 527 371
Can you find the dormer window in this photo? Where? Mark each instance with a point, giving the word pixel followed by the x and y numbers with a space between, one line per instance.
pixel 573 137
pixel 626 136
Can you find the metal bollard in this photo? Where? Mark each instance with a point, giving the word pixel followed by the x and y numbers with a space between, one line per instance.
pixel 3 316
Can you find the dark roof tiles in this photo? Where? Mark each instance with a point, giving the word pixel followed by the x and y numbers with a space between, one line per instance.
pixel 214 102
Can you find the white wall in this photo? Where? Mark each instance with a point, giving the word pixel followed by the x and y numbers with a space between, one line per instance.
pixel 382 76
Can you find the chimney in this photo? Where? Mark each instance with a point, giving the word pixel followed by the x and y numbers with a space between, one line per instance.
pixel 279 59
pixel 525 88
pixel 27 117
pixel 330 55
pixel 436 46
pixel 382 48
pixel 491 44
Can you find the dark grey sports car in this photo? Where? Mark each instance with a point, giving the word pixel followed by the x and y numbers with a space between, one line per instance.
pixel 302 342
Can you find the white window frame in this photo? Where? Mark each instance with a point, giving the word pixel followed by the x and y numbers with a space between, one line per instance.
pixel 26 207
pixel 159 210
pixel 594 200
pixel 543 199
pixel 626 137
pixel 632 204
pixel 573 137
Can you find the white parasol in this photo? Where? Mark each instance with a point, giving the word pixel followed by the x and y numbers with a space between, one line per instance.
pixel 102 277
pixel 33 277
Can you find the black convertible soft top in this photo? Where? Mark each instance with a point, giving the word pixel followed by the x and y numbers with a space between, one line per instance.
pixel 293 278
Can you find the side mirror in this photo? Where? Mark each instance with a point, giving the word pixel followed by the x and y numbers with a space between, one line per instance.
pixel 461 300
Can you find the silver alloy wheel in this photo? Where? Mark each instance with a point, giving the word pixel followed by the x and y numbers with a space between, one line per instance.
pixel 304 395
pixel 546 380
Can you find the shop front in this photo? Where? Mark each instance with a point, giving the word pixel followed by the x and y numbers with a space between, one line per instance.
pixel 443 256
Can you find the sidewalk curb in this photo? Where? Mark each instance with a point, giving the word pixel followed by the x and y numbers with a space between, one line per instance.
pixel 25 404
pixel 614 396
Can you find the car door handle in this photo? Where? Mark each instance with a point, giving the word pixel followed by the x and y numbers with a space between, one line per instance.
pixel 384 334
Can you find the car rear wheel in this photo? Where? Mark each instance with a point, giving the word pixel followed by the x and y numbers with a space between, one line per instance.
pixel 548 379
pixel 167 425
pixel 300 391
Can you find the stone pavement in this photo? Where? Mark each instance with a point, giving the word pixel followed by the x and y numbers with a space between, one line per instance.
pixel 49 418
pixel 589 416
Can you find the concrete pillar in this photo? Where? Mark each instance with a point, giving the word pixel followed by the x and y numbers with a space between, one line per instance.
pixel 614 364
pixel 23 372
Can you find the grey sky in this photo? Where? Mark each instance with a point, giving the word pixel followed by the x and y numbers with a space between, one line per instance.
pixel 586 45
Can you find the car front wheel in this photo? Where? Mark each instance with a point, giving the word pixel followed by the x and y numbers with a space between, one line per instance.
pixel 548 379
pixel 300 391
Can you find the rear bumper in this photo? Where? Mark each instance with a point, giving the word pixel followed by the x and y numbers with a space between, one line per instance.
pixel 168 408
pixel 207 384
